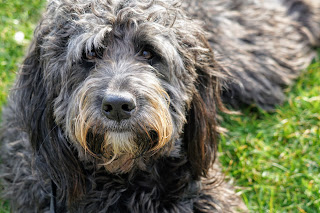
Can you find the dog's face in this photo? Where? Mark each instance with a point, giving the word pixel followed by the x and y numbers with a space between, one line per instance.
pixel 124 87
pixel 122 77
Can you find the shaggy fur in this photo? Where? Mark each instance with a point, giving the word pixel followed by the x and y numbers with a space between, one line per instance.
pixel 60 145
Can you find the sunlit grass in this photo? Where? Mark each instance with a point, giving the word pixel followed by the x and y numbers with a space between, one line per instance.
pixel 275 156
pixel 16 17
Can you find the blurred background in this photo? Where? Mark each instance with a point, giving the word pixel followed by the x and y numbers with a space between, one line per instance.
pixel 273 158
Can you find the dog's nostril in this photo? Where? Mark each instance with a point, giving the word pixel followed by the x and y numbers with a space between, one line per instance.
pixel 118 107
pixel 125 107
pixel 128 107
pixel 108 108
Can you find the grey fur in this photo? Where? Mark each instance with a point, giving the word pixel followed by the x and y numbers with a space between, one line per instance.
pixel 161 159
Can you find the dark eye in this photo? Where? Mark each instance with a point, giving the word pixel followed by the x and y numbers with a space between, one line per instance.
pixel 91 55
pixel 146 54
pixel 88 58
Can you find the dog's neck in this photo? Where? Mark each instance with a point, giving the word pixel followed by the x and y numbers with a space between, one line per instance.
pixel 167 180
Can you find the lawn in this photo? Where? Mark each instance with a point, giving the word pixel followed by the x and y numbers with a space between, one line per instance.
pixel 275 157
pixel 17 18
pixel 272 157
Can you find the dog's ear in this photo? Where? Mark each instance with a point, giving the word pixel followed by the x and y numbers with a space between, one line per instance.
pixel 201 129
pixel 53 155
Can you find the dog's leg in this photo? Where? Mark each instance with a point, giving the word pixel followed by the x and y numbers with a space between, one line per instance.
pixel 21 185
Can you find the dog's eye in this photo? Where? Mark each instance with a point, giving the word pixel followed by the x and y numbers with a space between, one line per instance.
pixel 147 54
pixel 91 55
pixel 88 58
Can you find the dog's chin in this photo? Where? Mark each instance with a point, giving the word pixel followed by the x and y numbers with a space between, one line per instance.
pixel 121 164
pixel 119 151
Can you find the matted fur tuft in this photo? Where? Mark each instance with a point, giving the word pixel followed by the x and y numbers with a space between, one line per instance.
pixel 170 64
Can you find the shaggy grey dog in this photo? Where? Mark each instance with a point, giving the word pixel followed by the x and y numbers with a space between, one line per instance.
pixel 114 108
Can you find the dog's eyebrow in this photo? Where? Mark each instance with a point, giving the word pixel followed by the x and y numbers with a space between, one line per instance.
pixel 87 41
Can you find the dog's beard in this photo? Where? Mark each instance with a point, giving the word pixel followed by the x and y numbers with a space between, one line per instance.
pixel 116 150
pixel 119 144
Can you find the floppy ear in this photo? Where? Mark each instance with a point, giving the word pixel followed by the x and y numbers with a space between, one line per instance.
pixel 53 154
pixel 200 131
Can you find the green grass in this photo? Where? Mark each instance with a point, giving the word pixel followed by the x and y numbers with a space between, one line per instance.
pixel 274 158
pixel 15 16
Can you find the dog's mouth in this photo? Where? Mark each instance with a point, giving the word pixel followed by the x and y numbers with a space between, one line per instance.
pixel 119 150
pixel 144 142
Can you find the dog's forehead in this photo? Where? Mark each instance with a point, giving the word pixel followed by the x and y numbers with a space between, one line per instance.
pixel 89 13
pixel 96 21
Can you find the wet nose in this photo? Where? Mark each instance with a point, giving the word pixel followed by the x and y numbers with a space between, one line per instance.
pixel 118 106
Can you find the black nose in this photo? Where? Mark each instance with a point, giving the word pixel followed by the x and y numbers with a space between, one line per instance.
pixel 118 107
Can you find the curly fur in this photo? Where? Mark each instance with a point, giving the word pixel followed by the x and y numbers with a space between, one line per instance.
pixel 161 159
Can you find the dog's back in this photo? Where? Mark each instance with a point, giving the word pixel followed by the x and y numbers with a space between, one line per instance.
pixel 264 45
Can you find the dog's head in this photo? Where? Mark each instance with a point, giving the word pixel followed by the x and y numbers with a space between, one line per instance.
pixel 121 81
